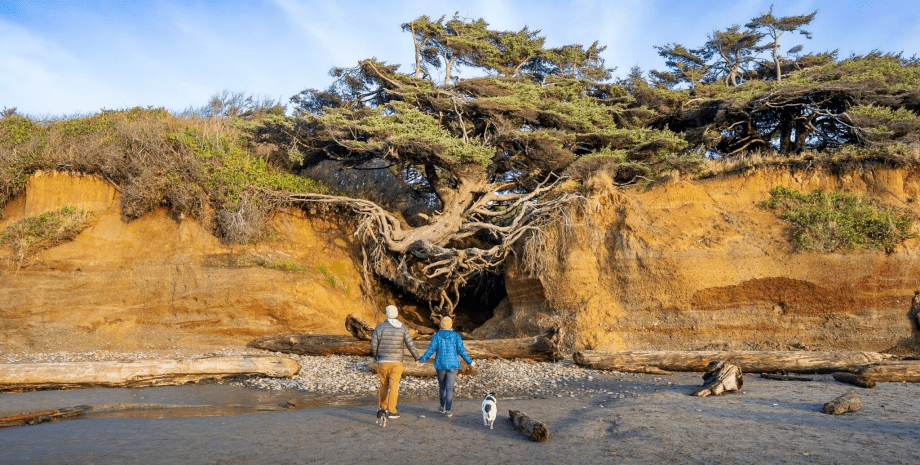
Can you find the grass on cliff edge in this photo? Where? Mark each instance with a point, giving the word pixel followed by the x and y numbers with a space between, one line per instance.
pixel 46 230
pixel 205 168
pixel 832 221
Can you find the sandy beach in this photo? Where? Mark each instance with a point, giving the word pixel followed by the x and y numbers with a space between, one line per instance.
pixel 611 418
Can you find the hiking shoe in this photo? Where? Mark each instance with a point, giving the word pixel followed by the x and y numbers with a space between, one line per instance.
pixel 393 415
pixel 441 409
pixel 448 414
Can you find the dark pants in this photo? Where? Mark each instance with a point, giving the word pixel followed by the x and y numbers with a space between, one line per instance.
pixel 446 379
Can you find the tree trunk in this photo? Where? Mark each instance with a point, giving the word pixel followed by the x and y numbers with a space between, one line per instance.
pixel 854 379
pixel 426 370
pixel 534 430
pixel 894 371
pixel 311 344
pixel 720 377
pixel 358 328
pixel 41 417
pixel 140 373
pixel 748 361
pixel 534 348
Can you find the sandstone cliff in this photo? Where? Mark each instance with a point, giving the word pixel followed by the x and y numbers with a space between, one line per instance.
pixel 676 265
pixel 160 282
pixel 701 264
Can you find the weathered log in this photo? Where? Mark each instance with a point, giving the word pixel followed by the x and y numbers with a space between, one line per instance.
pixel 720 377
pixel 358 328
pixel 140 373
pixel 425 370
pixel 748 361
pixel 535 430
pixel 854 379
pixel 848 402
pixel 892 371
pixel 632 369
pixel 312 344
pixel 42 417
pixel 777 377
pixel 535 348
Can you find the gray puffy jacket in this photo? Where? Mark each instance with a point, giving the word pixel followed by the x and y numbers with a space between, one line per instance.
pixel 388 341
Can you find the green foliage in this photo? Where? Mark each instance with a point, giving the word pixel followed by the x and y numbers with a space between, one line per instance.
pixel 832 221
pixel 47 229
pixel 206 168
pixel 333 279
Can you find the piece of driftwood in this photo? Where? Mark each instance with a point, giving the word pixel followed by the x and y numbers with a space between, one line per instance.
pixel 140 373
pixel 425 370
pixel 778 377
pixel 42 417
pixel 632 369
pixel 535 430
pixel 358 328
pixel 848 402
pixel 749 361
pixel 854 379
pixel 534 348
pixel 720 377
pixel 891 371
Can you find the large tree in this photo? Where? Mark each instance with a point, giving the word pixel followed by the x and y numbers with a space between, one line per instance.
pixel 736 49
pixel 774 27
pixel 486 155
pixel 685 66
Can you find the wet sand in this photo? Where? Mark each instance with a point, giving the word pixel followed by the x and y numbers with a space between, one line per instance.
pixel 643 419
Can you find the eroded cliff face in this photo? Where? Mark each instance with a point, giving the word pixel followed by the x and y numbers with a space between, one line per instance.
pixel 678 265
pixel 698 264
pixel 160 282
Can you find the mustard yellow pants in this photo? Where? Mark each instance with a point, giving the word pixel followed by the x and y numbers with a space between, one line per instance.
pixel 389 373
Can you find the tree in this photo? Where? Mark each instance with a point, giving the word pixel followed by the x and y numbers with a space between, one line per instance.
pixel 736 48
pixel 686 65
pixel 486 154
pixel 774 27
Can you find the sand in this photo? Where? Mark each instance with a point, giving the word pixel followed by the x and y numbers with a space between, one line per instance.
pixel 644 419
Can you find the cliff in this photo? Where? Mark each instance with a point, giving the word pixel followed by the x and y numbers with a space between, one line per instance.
pixel 701 264
pixel 676 265
pixel 160 282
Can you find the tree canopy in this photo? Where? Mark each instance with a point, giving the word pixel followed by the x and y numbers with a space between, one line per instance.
pixel 484 143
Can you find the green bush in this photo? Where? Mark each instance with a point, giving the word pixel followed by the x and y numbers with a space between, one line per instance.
pixel 832 221
pixel 48 229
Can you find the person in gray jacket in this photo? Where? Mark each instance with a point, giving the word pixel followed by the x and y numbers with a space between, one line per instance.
pixel 387 344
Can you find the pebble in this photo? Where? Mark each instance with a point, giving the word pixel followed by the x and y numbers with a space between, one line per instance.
pixel 347 374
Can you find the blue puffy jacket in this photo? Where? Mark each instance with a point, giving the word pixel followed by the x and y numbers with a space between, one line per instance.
pixel 448 345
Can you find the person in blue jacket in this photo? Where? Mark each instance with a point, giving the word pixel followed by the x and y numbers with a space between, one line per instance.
pixel 447 345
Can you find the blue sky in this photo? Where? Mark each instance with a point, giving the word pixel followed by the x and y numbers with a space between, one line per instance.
pixel 65 57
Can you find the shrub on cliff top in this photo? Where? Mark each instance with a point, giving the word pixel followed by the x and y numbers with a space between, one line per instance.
pixel 832 221
pixel 204 168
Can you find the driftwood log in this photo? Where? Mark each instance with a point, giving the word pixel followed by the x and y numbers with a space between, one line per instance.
pixel 848 402
pixel 891 371
pixel 140 373
pixel 720 377
pixel 426 370
pixel 358 328
pixel 534 348
pixel 533 429
pixel 777 377
pixel 854 379
pixel 748 360
pixel 42 417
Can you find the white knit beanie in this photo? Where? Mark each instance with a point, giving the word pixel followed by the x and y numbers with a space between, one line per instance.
pixel 392 312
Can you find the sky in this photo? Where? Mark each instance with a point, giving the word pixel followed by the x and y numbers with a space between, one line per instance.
pixel 63 58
